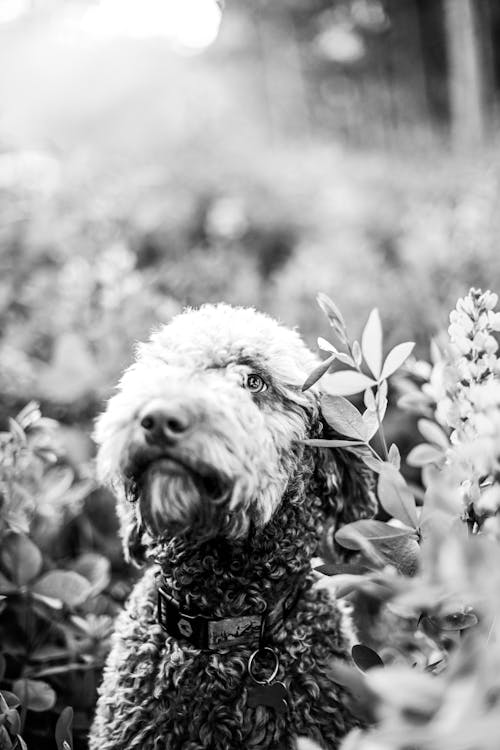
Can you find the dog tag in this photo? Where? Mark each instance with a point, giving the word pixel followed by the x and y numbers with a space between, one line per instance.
pixel 273 695
pixel 268 691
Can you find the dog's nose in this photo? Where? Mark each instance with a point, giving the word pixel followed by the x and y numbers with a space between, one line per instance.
pixel 165 423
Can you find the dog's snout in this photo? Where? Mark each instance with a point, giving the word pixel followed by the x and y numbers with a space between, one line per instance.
pixel 165 422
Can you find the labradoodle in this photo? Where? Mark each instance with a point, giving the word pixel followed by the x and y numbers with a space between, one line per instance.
pixel 225 641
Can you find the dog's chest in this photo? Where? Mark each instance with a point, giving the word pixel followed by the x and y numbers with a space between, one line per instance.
pixel 205 699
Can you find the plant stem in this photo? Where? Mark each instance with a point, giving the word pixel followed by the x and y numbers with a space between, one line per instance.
pixel 382 437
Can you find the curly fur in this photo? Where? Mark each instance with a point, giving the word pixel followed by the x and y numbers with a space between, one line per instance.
pixel 230 515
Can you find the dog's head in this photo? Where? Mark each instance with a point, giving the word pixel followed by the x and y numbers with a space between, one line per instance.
pixel 204 434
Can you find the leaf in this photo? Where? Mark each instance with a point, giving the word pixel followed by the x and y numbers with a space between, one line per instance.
pixel 396 357
pixel 35 694
pixel 382 392
pixel 351 679
pixel 343 417
pixel 356 353
pixel 371 343
pixel 346 359
pixel 17 431
pixel 403 552
pixel 70 588
pixel 415 402
pixel 63 733
pixel 395 496
pixel 48 601
pixel 365 658
pixel 433 433
pixel 49 653
pixel 395 456
pixel 331 311
pixel 29 415
pixel 325 345
pixel 335 569
pixel 349 536
pixel 95 568
pixel 346 383
pixel 324 443
pixel 454 621
pixel 318 372
pixel 21 558
pixel 381 400
pixel 424 454
pixel 346 583
pixel 371 422
pixel 13 720
pixel 369 400
pixel 11 700
pixel 375 464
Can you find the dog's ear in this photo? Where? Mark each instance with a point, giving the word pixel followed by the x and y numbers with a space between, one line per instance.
pixel 345 484
pixel 346 487
pixel 131 533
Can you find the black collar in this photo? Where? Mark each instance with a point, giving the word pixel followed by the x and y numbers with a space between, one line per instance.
pixel 213 633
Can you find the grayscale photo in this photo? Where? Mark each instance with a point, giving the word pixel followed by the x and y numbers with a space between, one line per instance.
pixel 249 375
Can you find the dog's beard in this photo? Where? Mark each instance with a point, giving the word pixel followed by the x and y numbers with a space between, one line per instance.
pixel 173 499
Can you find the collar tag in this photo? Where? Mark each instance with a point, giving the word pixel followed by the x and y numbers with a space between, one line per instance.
pixel 234 631
pixel 204 632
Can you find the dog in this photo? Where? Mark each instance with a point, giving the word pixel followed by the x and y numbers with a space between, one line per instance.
pixel 225 641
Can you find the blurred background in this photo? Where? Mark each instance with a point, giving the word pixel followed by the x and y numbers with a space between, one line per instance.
pixel 162 153
pixel 158 153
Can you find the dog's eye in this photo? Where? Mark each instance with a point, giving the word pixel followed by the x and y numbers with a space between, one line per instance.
pixel 254 383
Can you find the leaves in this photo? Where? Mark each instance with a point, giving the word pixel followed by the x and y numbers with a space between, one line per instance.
pixel 95 568
pixel 36 695
pixel 395 358
pixel 346 383
pixel 351 535
pixel 371 343
pixel 21 558
pixel 394 456
pixel 326 443
pixel 424 454
pixel 69 587
pixel 433 433
pixel 318 372
pixel 333 314
pixel 395 496
pixel 64 735
pixel 343 417
pixel 365 658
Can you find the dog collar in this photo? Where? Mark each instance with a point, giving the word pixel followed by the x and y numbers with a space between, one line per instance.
pixel 213 633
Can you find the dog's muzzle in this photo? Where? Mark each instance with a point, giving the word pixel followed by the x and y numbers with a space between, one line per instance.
pixel 173 497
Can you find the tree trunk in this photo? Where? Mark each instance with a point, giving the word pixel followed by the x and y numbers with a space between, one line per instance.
pixel 466 65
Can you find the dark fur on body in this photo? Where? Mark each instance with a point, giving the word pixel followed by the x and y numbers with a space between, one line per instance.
pixel 161 694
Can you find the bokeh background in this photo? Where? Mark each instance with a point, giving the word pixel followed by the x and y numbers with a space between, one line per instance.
pixel 162 153
pixel 150 158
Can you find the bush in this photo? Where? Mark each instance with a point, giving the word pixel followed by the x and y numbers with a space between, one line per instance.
pixel 58 593
pixel 430 677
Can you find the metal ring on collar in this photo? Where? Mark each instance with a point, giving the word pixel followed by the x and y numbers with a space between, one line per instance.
pixel 276 665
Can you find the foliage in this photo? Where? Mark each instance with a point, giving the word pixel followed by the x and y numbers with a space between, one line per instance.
pixel 86 273
pixel 432 569
pixel 55 596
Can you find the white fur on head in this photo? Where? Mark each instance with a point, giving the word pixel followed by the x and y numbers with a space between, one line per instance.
pixel 242 441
